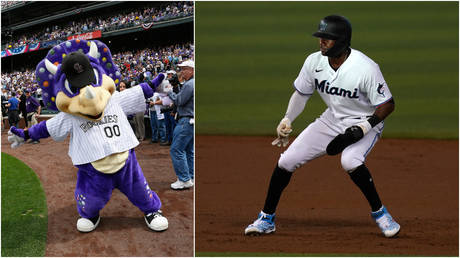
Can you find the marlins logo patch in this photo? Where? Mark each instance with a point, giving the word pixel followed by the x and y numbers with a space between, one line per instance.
pixel 380 89
pixel 322 26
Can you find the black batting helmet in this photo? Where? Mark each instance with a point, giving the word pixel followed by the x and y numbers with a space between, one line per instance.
pixel 338 28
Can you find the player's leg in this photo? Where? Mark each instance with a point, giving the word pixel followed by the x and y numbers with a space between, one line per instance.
pixel 310 144
pixel 92 192
pixel 131 181
pixel 352 160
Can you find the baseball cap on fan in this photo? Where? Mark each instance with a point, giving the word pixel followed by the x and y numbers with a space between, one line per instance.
pixel 78 70
pixel 188 63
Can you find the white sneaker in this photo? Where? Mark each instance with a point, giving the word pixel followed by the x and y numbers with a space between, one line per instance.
pixel 179 185
pixel 88 225
pixel 264 224
pixel 156 221
pixel 388 226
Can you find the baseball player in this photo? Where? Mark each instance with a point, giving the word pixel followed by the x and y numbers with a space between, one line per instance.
pixel 358 100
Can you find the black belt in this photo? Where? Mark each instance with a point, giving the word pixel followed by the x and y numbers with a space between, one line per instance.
pixel 361 117
pixel 184 116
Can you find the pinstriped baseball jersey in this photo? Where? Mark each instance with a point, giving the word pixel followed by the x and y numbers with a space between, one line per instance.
pixel 91 141
pixel 353 91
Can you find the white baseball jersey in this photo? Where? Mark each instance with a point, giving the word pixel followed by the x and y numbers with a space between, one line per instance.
pixel 91 141
pixel 351 93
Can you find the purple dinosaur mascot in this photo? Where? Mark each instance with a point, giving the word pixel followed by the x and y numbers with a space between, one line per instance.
pixel 78 78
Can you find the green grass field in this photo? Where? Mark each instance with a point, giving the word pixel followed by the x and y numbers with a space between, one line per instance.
pixel 249 53
pixel 24 211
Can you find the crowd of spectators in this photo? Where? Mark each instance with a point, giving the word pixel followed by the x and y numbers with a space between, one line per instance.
pixel 169 10
pixel 8 4
pixel 130 63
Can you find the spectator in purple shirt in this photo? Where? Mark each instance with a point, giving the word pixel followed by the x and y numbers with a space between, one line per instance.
pixel 33 109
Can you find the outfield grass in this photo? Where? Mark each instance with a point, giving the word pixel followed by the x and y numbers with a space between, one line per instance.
pixel 249 53
pixel 24 211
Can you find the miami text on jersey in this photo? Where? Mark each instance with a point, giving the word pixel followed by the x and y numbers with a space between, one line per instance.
pixel 323 86
pixel 107 119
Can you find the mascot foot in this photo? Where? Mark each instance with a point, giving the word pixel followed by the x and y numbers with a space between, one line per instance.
pixel 88 225
pixel 156 221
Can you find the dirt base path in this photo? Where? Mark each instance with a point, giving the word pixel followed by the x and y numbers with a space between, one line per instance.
pixel 122 231
pixel 322 211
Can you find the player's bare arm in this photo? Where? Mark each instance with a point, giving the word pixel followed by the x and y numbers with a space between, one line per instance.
pixel 384 110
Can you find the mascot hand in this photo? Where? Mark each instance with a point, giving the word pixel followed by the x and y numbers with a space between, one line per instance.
pixel 16 136
pixel 156 81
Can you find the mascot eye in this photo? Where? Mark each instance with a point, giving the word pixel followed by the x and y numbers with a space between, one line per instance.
pixel 97 76
pixel 67 87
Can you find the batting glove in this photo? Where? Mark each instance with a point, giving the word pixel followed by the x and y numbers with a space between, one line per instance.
pixel 16 137
pixel 284 141
pixel 283 130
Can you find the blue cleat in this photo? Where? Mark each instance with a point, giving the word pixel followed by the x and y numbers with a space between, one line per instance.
pixel 264 224
pixel 387 225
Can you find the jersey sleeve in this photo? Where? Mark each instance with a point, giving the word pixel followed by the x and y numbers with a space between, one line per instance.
pixel 59 126
pixel 304 81
pixel 376 87
pixel 131 100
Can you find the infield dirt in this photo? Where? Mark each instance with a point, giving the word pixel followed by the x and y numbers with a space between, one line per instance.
pixel 322 211
pixel 122 231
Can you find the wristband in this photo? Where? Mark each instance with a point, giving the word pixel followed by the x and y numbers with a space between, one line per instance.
pixel 374 120
pixel 365 126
